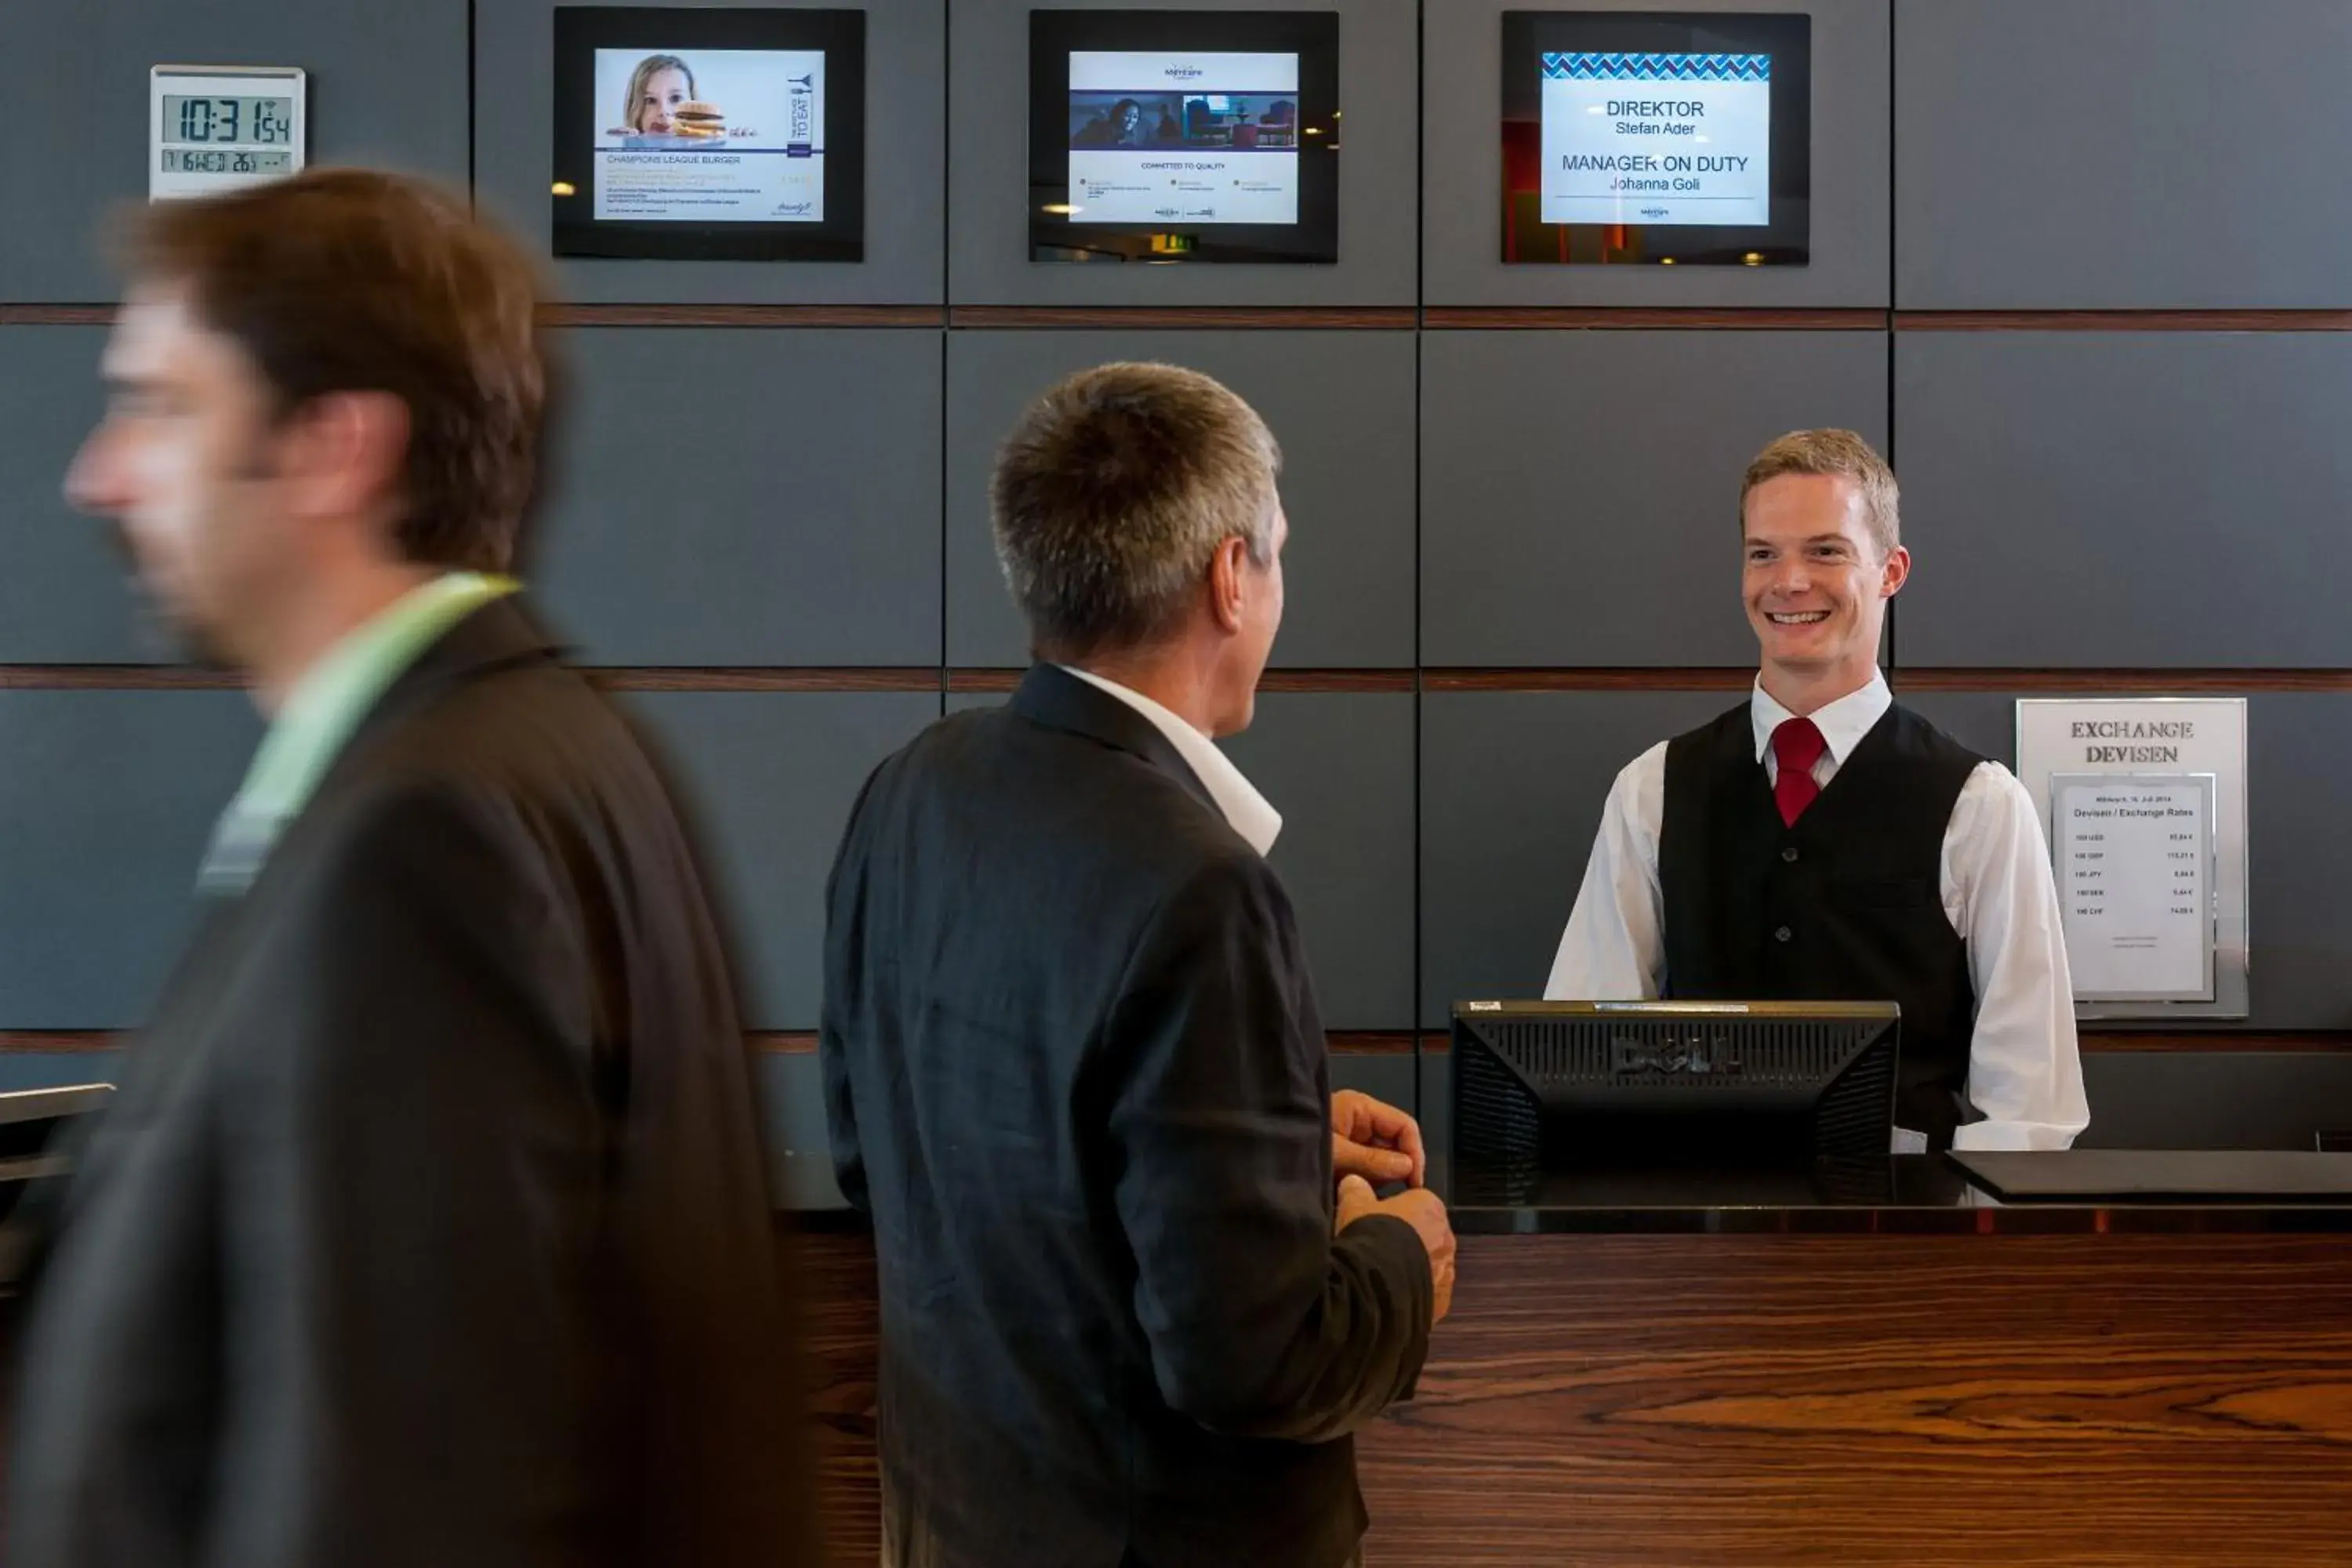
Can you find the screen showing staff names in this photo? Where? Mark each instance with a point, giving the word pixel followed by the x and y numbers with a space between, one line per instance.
pixel 1657 137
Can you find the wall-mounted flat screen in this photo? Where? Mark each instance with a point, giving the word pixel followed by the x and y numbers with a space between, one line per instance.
pixel 1668 138
pixel 692 134
pixel 1184 136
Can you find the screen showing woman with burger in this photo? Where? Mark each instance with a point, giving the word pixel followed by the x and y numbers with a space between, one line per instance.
pixel 698 135
pixel 661 100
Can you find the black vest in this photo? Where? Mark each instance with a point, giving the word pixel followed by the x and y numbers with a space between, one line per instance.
pixel 1846 905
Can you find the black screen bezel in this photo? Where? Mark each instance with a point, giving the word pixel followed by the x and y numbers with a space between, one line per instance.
pixel 1312 36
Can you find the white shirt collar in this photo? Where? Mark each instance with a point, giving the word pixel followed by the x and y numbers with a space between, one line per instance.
pixel 1245 810
pixel 1843 724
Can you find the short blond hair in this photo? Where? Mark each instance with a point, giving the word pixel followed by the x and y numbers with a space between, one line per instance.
pixel 1839 453
pixel 1112 494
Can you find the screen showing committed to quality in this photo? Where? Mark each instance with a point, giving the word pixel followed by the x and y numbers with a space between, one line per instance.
pixel 1680 139
pixel 711 135
pixel 1159 137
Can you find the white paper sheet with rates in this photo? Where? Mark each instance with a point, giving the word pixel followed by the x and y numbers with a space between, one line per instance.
pixel 2134 868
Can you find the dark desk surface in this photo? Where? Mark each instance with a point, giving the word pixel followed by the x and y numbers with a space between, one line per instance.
pixel 1912 1194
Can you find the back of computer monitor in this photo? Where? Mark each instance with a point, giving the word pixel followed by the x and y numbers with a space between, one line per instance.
pixel 1547 1087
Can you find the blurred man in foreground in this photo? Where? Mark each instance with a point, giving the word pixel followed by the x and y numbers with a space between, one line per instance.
pixel 429 1224
pixel 1073 1064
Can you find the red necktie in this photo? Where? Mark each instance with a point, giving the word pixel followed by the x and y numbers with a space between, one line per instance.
pixel 1797 745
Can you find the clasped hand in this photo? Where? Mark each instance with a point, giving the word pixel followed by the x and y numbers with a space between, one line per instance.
pixel 1375 1142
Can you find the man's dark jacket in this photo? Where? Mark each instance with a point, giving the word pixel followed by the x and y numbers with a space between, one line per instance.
pixel 1073 1070
pixel 429 1224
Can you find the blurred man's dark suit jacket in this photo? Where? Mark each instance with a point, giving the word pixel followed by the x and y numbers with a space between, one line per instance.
pixel 428 1226
pixel 1074 1070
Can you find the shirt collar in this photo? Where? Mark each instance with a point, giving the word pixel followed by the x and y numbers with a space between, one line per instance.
pixel 1843 724
pixel 325 707
pixel 1245 810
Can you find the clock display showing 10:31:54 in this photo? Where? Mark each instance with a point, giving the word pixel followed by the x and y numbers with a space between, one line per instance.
pixel 252 121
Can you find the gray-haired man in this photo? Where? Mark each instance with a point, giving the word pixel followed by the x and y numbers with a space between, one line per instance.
pixel 1073 1062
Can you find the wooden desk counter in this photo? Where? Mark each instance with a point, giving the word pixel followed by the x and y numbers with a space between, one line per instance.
pixel 1916 1384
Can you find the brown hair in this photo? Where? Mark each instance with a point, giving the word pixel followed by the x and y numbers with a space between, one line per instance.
pixel 1843 455
pixel 630 107
pixel 1115 491
pixel 351 281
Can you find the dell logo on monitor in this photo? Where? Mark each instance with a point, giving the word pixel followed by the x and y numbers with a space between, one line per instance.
pixel 1670 1053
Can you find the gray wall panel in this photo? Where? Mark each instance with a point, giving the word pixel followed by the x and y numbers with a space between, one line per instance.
pixel 2298 756
pixel 769 779
pixel 1341 404
pixel 1984 722
pixel 57 1069
pixel 2123 154
pixel 766 497
pixel 1581 491
pixel 1339 766
pixel 905 129
pixel 1461 214
pixel 2119 499
pixel 106 800
pixel 387 88
pixel 1511 789
pixel 988 175
pixel 63 590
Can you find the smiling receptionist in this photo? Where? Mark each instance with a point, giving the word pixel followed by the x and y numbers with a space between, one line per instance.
pixel 1819 842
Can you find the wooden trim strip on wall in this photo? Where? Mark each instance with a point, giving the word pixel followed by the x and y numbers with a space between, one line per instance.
pixel 1690 679
pixel 918 678
pixel 1370 317
pixel 55 1042
pixel 963 681
pixel 56 315
pixel 589 315
pixel 585 315
pixel 2070 682
pixel 1549 318
pixel 116 678
pixel 2122 321
pixel 2122 682
pixel 1376 317
pixel 177 678
pixel 2099 1038
pixel 931 678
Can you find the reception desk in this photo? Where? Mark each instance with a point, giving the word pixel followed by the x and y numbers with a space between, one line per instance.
pixel 1642 1373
